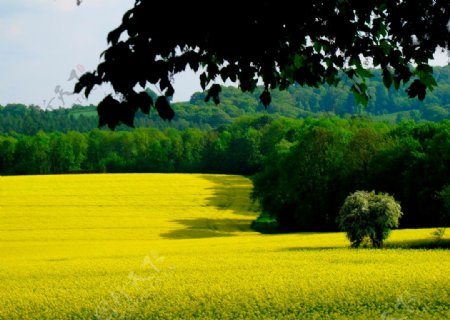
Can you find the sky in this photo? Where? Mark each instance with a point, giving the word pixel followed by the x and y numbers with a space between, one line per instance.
pixel 46 44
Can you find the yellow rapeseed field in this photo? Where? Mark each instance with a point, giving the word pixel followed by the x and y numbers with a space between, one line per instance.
pixel 174 246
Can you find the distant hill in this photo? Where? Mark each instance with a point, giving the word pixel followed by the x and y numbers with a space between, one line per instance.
pixel 296 102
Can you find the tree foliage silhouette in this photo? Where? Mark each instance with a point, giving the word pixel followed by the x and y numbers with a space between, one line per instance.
pixel 268 41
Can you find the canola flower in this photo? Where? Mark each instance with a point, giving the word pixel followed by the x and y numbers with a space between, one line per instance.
pixel 179 246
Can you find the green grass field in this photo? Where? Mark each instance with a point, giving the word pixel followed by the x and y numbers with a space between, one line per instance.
pixel 155 246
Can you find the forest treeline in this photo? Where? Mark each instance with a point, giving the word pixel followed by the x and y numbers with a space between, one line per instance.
pixel 296 102
pixel 306 179
pixel 302 168
pixel 232 148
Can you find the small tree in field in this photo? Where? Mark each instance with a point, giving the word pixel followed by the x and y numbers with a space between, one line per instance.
pixel 369 215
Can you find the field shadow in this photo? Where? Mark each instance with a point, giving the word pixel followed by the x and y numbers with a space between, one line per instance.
pixel 231 193
pixel 405 244
pixel 207 228
pixel 294 249
pixel 419 244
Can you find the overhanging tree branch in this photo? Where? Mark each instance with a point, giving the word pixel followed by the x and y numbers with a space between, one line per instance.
pixel 271 41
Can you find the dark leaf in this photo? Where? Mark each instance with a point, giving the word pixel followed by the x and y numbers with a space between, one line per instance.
pixel 164 109
pixel 213 93
pixel 265 98
pixel 359 91
pixel 332 76
pixel 212 69
pixel 170 91
pixel 425 73
pixel 417 89
pixel 194 65
pixel 145 102
pixel 88 89
pixel 203 80
pixel 179 64
pixel 109 112
pixel 142 82
pixel 350 73
pixel 113 36
pixel 355 61
pixel 364 73
pixel 87 82
pixel 127 16
pixel 101 69
pixel 397 82
pixel 165 83
pixel 78 87
pixel 424 68
pixel 126 114
pixel 387 78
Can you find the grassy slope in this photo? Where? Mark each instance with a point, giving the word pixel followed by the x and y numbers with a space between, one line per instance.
pixel 179 246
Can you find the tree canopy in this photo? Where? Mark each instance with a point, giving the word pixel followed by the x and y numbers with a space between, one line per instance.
pixel 267 41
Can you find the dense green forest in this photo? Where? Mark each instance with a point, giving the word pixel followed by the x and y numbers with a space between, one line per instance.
pixel 302 168
pixel 296 102
pixel 231 148
pixel 306 179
